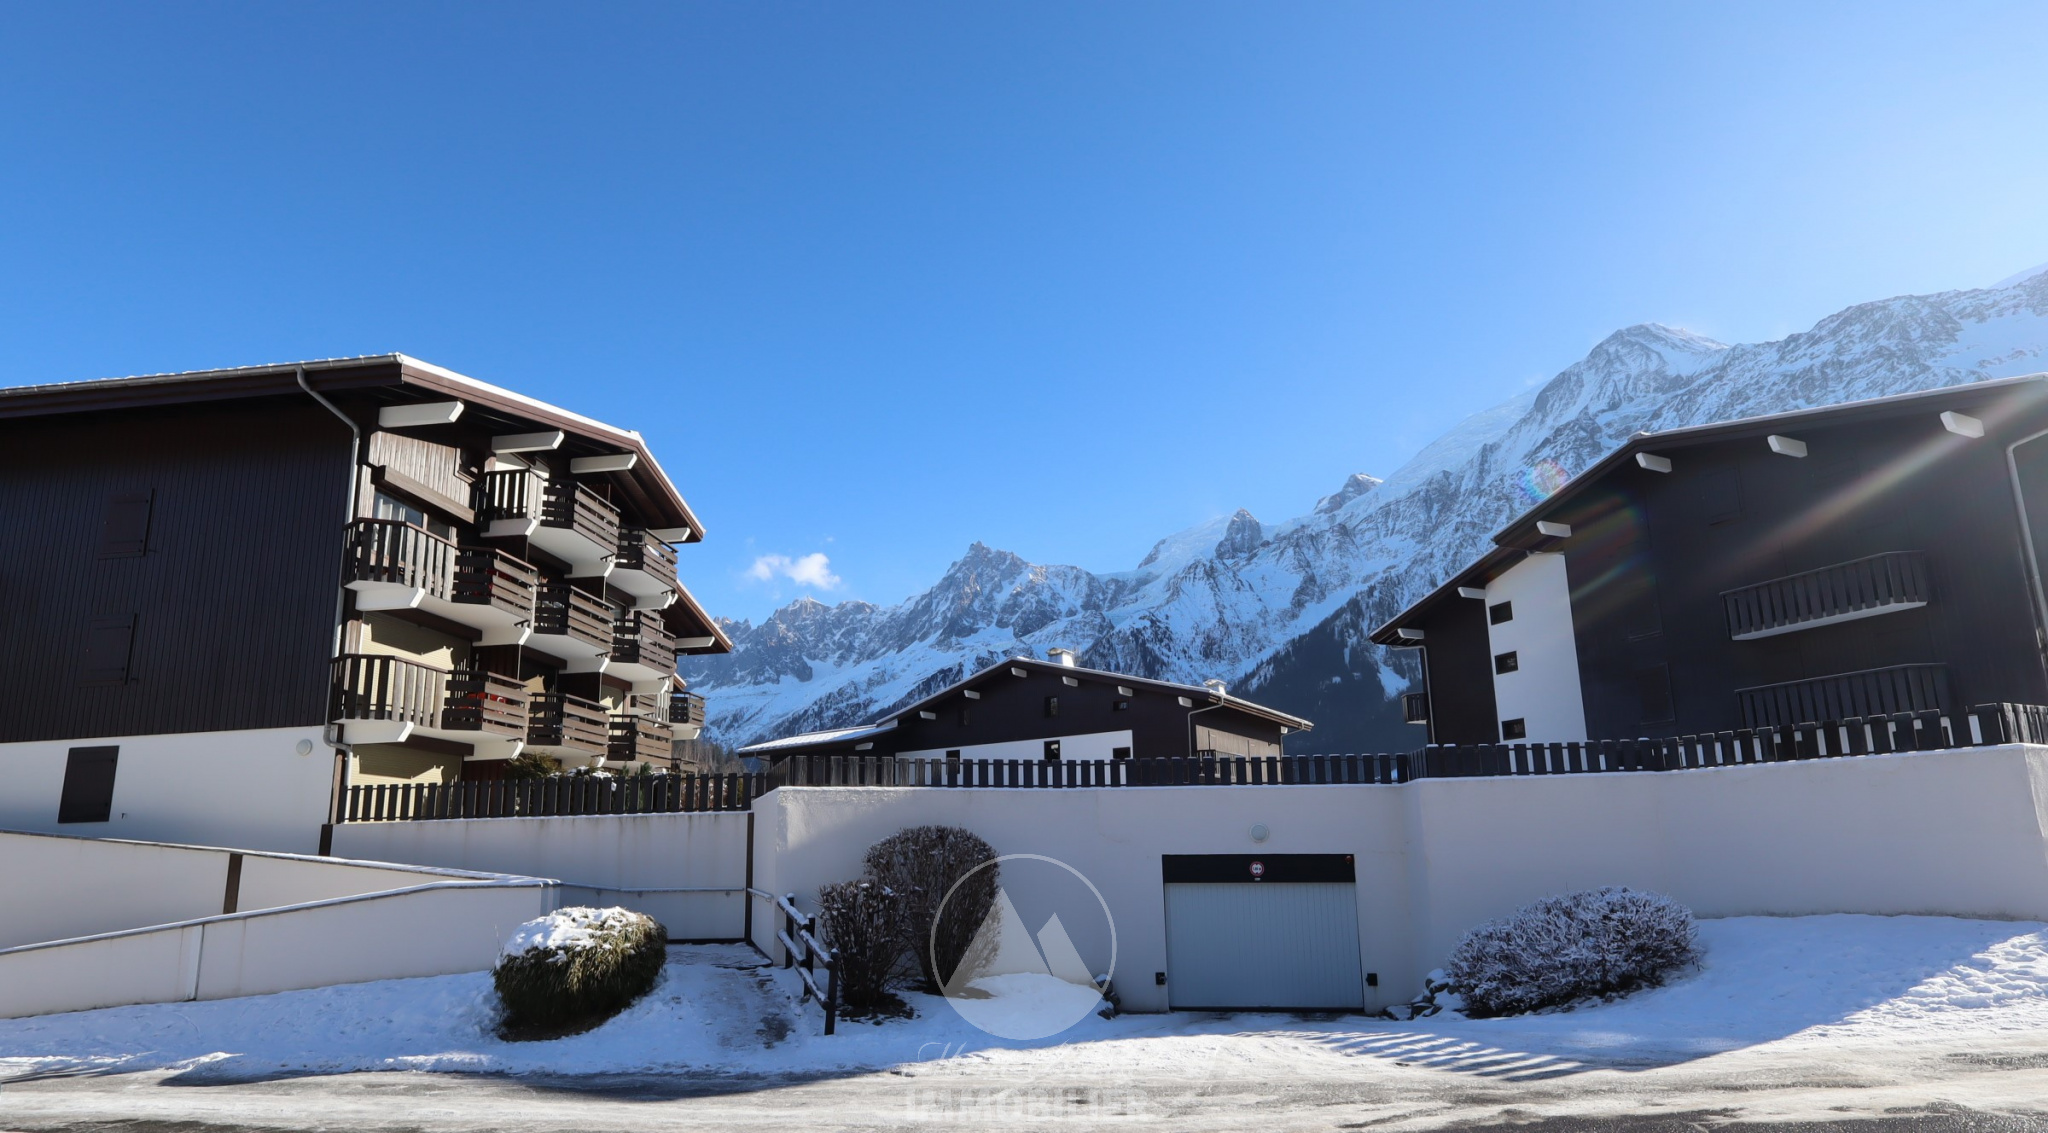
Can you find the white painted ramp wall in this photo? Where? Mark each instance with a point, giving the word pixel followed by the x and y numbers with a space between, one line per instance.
pixel 1258 944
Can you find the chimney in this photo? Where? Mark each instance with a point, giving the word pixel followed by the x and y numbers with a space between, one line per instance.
pixel 1217 687
pixel 1066 657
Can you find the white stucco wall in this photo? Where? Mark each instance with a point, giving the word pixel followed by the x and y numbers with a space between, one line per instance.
pixel 604 860
pixel 247 789
pixel 1958 833
pixel 58 886
pixel 1544 692
pixel 808 836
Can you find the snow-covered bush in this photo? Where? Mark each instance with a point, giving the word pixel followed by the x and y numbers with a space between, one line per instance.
pixel 575 968
pixel 1594 942
pixel 923 865
pixel 863 924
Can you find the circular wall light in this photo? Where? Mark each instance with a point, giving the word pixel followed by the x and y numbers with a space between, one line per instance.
pixel 1259 832
pixel 305 747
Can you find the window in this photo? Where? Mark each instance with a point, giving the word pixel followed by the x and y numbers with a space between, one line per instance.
pixel 1500 612
pixel 1119 753
pixel 1515 729
pixel 953 753
pixel 1720 497
pixel 108 643
pixel 1506 662
pixel 1052 749
pixel 391 507
pixel 1052 706
pixel 1121 706
pixel 88 785
pixel 965 717
pixel 126 530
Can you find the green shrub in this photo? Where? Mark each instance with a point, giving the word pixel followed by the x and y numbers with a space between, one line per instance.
pixel 922 865
pixel 574 968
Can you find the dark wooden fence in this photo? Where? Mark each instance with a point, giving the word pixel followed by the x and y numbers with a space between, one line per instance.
pixel 667 794
pixel 566 795
pixel 1236 770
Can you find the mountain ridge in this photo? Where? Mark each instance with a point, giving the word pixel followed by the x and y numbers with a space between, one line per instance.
pixel 1281 610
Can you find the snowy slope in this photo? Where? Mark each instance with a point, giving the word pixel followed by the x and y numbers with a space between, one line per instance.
pixel 1282 612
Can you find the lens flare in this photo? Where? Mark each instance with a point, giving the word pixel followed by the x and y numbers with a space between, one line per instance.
pixel 1541 480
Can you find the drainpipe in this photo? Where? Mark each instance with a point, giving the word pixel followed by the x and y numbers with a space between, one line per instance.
pixel 2019 502
pixel 331 732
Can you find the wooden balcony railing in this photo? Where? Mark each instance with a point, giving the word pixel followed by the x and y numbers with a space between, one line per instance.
pixel 565 610
pixel 643 552
pixel 373 686
pixel 1860 588
pixel 396 552
pixel 639 638
pixel 1868 692
pixel 520 494
pixel 583 511
pixel 560 720
pixel 485 702
pixel 493 578
pixel 638 739
pixel 686 708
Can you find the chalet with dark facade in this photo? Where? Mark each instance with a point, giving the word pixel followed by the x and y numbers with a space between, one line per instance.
pixel 1861 559
pixel 259 584
pixel 1026 709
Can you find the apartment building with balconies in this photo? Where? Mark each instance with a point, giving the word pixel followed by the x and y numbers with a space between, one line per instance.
pixel 232 593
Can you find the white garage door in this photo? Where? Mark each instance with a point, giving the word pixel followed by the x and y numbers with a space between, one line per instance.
pixel 1288 939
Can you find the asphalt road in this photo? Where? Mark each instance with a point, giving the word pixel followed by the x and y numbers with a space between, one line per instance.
pixel 1997 1087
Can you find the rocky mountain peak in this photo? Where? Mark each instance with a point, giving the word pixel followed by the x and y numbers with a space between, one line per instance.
pixel 1242 537
pixel 1356 485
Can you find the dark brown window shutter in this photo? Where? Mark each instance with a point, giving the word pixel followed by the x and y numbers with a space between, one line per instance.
pixel 88 785
pixel 108 644
pixel 126 530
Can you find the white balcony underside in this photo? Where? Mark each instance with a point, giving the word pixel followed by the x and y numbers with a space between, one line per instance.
pixel 653 593
pixel 499 627
pixel 575 654
pixel 637 672
pixel 483 745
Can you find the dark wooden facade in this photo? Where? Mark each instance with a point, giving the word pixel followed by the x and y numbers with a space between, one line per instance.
pixel 177 554
pixel 1699 596
pixel 169 570
pixel 1040 705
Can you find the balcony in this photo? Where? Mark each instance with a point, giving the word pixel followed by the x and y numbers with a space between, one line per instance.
pixel 686 714
pixel 564 519
pixel 574 626
pixel 393 565
pixel 1867 692
pixel 380 699
pixel 569 728
pixel 1844 592
pixel 645 568
pixel 642 648
pixel 640 739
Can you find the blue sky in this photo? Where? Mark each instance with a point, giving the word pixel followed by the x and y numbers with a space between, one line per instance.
pixel 878 280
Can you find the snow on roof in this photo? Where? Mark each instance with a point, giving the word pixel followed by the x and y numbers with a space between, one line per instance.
pixel 830 735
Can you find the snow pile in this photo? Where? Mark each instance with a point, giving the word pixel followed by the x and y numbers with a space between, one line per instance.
pixel 566 930
pixel 1574 946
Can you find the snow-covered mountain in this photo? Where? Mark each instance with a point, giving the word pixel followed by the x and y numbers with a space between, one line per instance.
pixel 1282 611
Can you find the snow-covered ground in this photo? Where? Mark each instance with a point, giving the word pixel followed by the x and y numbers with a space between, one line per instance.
pixel 1799 981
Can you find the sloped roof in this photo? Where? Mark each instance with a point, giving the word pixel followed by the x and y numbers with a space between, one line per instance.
pixel 1200 693
pixel 1519 537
